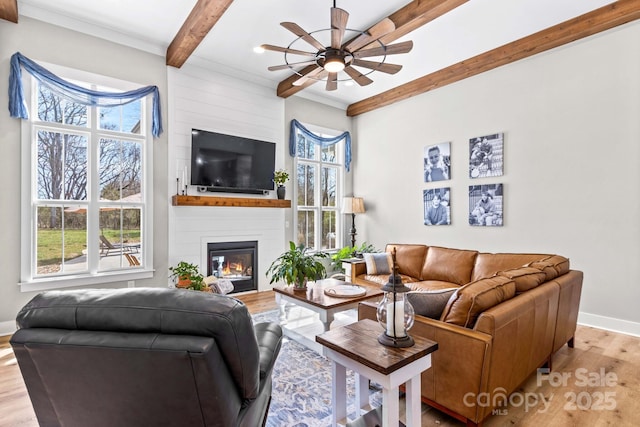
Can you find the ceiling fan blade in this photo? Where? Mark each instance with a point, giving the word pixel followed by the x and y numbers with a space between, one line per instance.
pixel 374 33
pixel 383 67
pixel 357 76
pixel 332 81
pixel 316 74
pixel 290 65
pixel 339 20
pixel 287 50
pixel 392 49
pixel 298 31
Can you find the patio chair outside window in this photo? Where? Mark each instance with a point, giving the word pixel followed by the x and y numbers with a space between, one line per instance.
pixel 133 260
pixel 106 246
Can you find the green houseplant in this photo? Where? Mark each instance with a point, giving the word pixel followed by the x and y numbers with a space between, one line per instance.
pixel 279 178
pixel 187 276
pixel 350 252
pixel 296 266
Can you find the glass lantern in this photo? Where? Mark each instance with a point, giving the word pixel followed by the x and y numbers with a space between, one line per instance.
pixel 395 313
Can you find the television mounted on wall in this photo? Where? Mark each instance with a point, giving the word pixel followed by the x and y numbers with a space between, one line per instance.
pixel 231 164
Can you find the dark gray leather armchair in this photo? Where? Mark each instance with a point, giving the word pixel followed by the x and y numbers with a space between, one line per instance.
pixel 145 357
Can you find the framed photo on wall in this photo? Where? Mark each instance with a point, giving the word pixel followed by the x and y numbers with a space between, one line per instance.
pixel 437 162
pixel 486 156
pixel 485 205
pixel 437 206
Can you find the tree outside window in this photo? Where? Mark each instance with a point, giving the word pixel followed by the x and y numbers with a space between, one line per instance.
pixel 88 170
pixel 318 183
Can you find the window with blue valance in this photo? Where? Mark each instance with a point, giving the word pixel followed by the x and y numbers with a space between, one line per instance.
pixel 323 142
pixel 75 93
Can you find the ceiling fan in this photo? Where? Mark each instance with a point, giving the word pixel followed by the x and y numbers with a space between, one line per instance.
pixel 341 56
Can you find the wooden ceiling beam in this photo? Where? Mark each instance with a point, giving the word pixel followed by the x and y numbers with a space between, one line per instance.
pixel 604 18
pixel 9 10
pixel 408 18
pixel 202 18
pixel 416 14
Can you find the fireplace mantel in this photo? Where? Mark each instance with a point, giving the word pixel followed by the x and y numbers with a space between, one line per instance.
pixel 185 200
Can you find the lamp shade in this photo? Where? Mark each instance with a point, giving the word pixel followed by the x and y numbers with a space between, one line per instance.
pixel 352 205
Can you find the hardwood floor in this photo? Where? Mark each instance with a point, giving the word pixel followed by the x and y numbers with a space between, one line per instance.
pixel 597 383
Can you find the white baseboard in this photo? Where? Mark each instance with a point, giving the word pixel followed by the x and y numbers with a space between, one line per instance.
pixel 7 328
pixel 609 323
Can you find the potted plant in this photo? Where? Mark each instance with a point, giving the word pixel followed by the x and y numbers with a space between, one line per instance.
pixel 187 276
pixel 348 252
pixel 296 266
pixel 279 178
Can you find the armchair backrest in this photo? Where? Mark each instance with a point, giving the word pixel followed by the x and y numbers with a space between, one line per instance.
pixel 184 357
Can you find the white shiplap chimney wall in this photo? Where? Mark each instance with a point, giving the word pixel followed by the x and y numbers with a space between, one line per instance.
pixel 215 102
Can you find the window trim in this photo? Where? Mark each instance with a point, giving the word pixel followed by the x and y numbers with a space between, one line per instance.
pixel 27 282
pixel 317 209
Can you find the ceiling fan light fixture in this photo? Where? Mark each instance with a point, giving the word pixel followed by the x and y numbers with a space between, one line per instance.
pixel 339 56
pixel 334 64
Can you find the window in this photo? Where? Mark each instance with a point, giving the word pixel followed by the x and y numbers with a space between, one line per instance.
pixel 318 189
pixel 86 213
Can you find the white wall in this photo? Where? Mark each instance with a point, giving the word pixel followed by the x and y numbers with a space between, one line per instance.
pixel 571 119
pixel 205 100
pixel 43 42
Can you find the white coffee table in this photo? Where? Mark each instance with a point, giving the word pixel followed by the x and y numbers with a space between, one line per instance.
pixel 315 301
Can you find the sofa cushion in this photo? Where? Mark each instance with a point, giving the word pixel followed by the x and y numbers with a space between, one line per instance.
pixel 553 266
pixel 430 303
pixel 448 265
pixel 430 285
pixel 409 258
pixel 383 279
pixel 488 264
pixel 378 263
pixel 466 304
pixel 525 277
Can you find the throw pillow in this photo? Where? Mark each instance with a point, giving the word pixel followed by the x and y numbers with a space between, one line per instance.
pixel 525 277
pixel 553 266
pixel 379 263
pixel 469 301
pixel 430 303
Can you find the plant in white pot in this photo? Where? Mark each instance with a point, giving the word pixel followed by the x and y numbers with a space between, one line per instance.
pixel 296 266
pixel 279 178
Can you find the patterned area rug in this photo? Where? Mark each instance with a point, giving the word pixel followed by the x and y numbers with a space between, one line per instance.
pixel 302 386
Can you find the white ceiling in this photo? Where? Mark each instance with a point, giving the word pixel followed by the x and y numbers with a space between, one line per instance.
pixel 475 27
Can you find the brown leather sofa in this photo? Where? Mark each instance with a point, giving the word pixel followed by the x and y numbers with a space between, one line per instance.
pixel 509 314
pixel 145 357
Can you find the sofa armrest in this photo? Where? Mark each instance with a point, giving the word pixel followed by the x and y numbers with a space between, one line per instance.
pixel 269 336
pixel 570 285
pixel 358 269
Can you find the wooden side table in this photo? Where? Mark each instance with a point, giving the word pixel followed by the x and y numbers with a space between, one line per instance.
pixel 356 347
pixel 348 266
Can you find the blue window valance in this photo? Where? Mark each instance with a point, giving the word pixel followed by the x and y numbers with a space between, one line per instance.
pixel 323 142
pixel 75 93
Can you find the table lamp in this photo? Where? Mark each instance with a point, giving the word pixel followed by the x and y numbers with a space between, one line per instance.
pixel 395 313
pixel 353 205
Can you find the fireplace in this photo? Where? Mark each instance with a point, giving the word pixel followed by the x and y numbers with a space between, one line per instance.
pixel 234 261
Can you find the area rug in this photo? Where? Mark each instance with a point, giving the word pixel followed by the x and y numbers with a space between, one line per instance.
pixel 302 385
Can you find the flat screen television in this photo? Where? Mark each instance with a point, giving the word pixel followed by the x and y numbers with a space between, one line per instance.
pixel 231 164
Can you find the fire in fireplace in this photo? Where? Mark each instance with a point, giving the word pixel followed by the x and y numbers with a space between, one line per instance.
pixel 234 261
